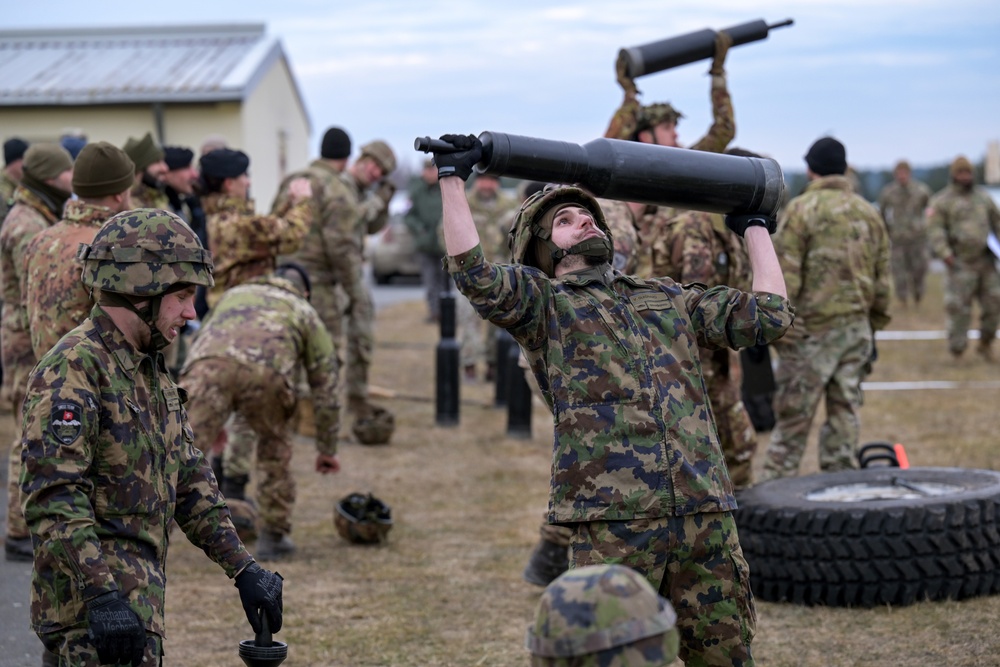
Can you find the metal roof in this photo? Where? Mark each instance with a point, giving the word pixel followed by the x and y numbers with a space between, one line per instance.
pixel 133 65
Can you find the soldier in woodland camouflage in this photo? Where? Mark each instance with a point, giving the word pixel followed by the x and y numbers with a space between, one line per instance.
pixel 902 203
pixel 108 457
pixel 38 203
pixel 246 360
pixel 834 252
pixel 147 155
pixel 637 472
pixel 960 218
pixel 10 176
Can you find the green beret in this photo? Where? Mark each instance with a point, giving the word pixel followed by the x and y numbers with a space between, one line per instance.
pixel 46 161
pixel 102 169
pixel 143 152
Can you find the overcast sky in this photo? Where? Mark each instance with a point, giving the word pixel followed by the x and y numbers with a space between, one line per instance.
pixel 918 79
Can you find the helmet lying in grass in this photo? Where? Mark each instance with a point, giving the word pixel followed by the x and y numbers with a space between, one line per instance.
pixel 362 519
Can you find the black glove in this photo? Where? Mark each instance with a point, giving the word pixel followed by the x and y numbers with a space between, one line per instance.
pixel 461 162
pixel 739 223
pixel 115 630
pixel 260 592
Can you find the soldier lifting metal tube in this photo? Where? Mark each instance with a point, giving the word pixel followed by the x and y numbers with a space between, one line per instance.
pixel 690 47
pixel 634 171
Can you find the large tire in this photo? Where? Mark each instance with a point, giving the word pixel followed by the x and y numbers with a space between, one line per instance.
pixel 874 536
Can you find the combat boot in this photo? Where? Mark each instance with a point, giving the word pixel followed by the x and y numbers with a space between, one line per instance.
pixel 985 350
pixel 547 562
pixel 234 487
pixel 18 549
pixel 273 546
pixel 49 659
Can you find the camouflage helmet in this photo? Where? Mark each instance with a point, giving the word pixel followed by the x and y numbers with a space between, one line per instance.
pixel 651 115
pixel 244 516
pixel 526 231
pixel 606 615
pixel 382 154
pixel 362 519
pixel 375 427
pixel 145 252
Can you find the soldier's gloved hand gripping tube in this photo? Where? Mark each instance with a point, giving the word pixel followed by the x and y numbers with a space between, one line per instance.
pixel 260 591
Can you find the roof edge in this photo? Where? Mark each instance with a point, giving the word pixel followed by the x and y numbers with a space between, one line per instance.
pixel 132 31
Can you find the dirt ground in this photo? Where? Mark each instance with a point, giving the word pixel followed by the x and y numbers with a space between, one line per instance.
pixel 467 501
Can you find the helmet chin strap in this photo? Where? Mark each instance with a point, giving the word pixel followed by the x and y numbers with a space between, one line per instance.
pixel 157 341
pixel 597 246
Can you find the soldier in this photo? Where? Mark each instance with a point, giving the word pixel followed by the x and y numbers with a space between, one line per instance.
pixel 38 203
pixel 902 205
pixel 636 468
pixel 960 218
pixel 492 211
pixel 602 615
pixel 246 361
pixel 149 170
pixel 834 252
pixel 109 460
pixel 10 177
pixel 180 185
pixel 54 298
pixel 423 220
pixel 246 245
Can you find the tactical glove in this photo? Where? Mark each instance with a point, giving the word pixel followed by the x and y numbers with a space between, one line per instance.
pixel 722 43
pixel 115 630
pixel 740 223
pixel 461 162
pixel 260 592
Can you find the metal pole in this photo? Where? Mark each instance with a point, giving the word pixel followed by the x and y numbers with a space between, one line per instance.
pixel 504 341
pixel 518 397
pixel 447 387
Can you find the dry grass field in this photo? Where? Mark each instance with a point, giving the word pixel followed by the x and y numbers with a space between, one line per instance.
pixel 467 501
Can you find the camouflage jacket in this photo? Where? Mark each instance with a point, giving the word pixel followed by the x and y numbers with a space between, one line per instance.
pixel 55 299
pixel 7 188
pixel 146 196
pixel 372 211
pixel 245 245
pixel 697 247
pixel 108 459
pixel 959 221
pixel 902 208
pixel 624 234
pixel 423 219
pixel 28 217
pixel 493 217
pixel 334 217
pixel 266 322
pixel 834 252
pixel 617 359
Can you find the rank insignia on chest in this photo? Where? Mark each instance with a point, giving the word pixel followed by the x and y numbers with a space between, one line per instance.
pixel 64 422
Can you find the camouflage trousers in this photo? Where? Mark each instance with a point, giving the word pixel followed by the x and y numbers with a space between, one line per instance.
pixel 968 282
pixel 695 562
pixel 909 268
pixel 263 405
pixel 74 648
pixel 347 310
pixel 724 379
pixel 476 337
pixel 17 363
pixel 827 365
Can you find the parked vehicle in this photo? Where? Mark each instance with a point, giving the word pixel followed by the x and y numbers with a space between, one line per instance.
pixel 392 252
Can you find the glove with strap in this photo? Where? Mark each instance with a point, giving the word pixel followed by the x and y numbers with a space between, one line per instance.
pixel 116 631
pixel 469 151
pixel 260 592
pixel 739 223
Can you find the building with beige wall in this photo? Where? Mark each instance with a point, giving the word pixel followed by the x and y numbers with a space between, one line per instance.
pixel 182 83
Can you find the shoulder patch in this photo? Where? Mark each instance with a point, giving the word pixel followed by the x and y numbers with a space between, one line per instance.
pixel 64 421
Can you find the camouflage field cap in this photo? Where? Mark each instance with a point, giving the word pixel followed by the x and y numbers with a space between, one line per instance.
pixel 382 154
pixel 651 115
pixel 145 252
pixel 362 519
pixel 375 427
pixel 526 230
pixel 605 615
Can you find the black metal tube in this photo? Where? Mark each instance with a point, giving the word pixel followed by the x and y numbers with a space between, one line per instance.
pixel 447 387
pixel 518 397
pixel 503 341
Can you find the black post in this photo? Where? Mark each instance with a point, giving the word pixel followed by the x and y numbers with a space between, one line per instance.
pixel 518 397
pixel 446 381
pixel 503 343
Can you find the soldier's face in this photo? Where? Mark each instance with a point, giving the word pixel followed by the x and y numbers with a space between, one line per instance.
pixel 664 134
pixel 157 170
pixel 903 176
pixel 237 187
pixel 176 308
pixel 963 177
pixel 63 181
pixel 181 180
pixel 573 224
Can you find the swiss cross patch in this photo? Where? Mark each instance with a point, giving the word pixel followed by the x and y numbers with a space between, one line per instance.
pixel 64 422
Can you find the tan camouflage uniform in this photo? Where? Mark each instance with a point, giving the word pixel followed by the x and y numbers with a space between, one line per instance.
pixel 696 247
pixel 146 196
pixel 621 221
pixel 902 208
pixel 959 222
pixel 29 216
pixel 7 188
pixel 834 251
pixel 245 245
pixel 246 360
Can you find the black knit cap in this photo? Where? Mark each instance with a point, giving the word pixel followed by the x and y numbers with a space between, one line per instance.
pixel 336 145
pixel 224 163
pixel 177 157
pixel 827 156
pixel 13 150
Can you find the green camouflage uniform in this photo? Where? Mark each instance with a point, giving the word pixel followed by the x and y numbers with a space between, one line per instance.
pixel 636 463
pixel 246 245
pixel 834 252
pixel 902 208
pixel 696 247
pixel 55 299
pixel 246 360
pixel 108 461
pixel 959 222
pixel 7 188
pixel 423 221
pixel 146 196
pixel 29 216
